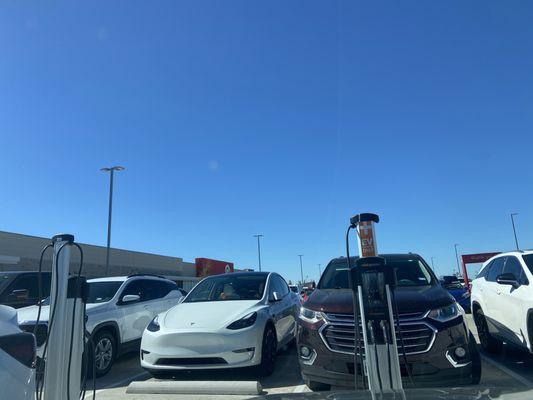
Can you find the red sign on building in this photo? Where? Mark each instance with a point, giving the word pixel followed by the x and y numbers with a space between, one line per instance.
pixel 207 266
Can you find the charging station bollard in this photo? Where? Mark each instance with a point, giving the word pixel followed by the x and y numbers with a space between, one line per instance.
pixel 371 282
pixel 65 343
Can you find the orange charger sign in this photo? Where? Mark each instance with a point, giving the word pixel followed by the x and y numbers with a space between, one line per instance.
pixel 367 239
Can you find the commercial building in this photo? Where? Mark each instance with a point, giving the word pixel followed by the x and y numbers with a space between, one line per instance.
pixel 21 253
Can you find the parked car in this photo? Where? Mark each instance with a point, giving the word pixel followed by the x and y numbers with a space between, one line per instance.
pixel 502 301
pixel 226 321
pixel 293 288
pixel 439 347
pixel 17 358
pixel 458 290
pixel 118 310
pixel 21 288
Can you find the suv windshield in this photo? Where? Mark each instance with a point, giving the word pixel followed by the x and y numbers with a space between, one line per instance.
pixel 224 287
pixel 409 272
pixel 101 292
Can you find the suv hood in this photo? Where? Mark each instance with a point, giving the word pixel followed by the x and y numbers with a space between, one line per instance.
pixel 208 315
pixel 410 299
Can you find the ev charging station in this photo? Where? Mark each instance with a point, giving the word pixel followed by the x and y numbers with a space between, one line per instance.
pixel 373 283
pixel 65 343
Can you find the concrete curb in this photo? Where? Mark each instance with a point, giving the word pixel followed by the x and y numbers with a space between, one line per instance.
pixel 195 387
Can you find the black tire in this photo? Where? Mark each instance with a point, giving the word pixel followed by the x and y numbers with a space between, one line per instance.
pixel 103 354
pixel 488 343
pixel 269 351
pixel 317 386
pixel 475 358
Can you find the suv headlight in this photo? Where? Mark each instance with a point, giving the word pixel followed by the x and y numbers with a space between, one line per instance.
pixel 154 326
pixel 310 316
pixel 445 314
pixel 244 322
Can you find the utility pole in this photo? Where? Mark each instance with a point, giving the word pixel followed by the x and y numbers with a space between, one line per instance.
pixel 433 264
pixel 259 249
pixel 457 257
pixel 301 268
pixel 514 230
pixel 319 271
pixel 111 171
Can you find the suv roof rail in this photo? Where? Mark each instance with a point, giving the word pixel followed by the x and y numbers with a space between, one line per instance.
pixel 151 275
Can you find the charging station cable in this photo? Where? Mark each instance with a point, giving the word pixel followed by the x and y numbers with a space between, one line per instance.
pixel 395 305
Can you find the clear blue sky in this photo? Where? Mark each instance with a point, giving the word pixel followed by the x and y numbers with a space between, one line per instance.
pixel 276 117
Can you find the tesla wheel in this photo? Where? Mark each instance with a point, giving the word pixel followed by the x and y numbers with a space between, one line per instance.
pixel 269 351
pixel 104 353
pixel 317 386
pixel 488 343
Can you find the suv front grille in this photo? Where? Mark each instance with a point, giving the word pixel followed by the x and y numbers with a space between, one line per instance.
pixel 40 334
pixel 338 333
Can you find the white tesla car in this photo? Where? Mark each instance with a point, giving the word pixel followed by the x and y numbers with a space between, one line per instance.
pixel 227 321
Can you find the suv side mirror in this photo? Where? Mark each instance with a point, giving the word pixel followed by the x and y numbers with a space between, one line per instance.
pixel 19 294
pixel 130 298
pixel 508 279
pixel 276 297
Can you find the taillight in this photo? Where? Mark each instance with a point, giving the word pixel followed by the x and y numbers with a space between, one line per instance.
pixel 20 346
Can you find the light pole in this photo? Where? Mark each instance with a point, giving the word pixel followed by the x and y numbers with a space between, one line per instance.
pixel 301 268
pixel 514 230
pixel 319 271
pixel 111 171
pixel 456 256
pixel 433 264
pixel 259 249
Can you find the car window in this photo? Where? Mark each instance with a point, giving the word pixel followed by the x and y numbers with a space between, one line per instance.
pixel 512 265
pixel 136 287
pixel 278 285
pixel 409 272
pixel 495 269
pixel 101 292
pixel 30 283
pixel 158 289
pixel 483 273
pixel 528 259
pixel 229 287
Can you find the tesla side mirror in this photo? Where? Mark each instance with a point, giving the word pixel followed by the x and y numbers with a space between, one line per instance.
pixel 276 297
pixel 130 298
pixel 508 279
pixel 20 294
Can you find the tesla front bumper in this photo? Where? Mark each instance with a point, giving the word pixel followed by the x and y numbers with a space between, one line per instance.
pixel 197 349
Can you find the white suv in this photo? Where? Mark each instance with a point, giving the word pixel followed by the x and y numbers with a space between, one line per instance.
pixel 502 301
pixel 118 310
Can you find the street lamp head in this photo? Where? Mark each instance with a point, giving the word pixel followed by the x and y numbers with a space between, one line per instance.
pixel 514 214
pixel 109 169
pixel 258 236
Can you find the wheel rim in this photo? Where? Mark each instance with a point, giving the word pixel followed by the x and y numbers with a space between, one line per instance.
pixel 103 354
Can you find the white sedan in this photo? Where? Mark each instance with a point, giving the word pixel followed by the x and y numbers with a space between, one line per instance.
pixel 227 321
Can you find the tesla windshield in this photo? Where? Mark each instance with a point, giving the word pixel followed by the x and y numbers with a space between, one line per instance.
pixel 227 287
pixel 408 273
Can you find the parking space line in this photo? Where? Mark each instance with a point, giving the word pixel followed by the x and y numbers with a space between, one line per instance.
pixel 299 389
pixel 526 382
pixel 89 393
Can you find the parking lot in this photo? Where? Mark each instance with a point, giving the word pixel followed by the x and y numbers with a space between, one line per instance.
pixel 512 370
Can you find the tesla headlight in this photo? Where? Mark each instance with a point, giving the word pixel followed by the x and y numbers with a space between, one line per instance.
pixel 310 316
pixel 153 326
pixel 244 322
pixel 445 314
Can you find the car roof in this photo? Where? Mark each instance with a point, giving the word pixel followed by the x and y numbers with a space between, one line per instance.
pixel 391 256
pixel 509 253
pixel 109 279
pixel 254 273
